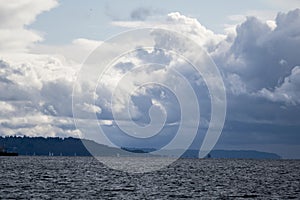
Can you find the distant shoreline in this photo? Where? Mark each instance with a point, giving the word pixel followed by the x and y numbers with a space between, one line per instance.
pixel 40 146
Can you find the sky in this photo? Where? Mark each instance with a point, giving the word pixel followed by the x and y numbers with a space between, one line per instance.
pixel 46 45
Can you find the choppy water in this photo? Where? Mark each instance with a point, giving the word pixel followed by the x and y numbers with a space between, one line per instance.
pixel 86 178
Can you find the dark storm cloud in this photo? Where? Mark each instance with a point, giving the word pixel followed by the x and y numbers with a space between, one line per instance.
pixel 262 77
pixel 57 96
pixel 263 57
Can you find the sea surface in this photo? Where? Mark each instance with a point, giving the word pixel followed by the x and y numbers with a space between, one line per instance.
pixel 87 178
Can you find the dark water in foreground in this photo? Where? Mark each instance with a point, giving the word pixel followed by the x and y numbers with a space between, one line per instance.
pixel 86 178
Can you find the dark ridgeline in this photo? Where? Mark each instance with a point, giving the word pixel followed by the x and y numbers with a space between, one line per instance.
pixel 55 146
pixel 243 154
pixel 44 146
pixel 247 154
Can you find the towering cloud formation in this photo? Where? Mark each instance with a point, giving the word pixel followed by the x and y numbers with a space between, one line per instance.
pixel 261 57
pixel 259 63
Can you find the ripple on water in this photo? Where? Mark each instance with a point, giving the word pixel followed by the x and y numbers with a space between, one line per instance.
pixel 85 177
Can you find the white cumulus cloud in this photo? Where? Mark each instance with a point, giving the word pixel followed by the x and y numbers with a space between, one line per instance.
pixel 14 16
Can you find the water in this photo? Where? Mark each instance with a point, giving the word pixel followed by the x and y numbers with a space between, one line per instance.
pixel 86 178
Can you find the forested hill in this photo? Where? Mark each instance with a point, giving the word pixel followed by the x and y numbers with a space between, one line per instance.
pixel 55 146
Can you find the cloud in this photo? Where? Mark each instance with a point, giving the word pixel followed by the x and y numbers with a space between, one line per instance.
pixel 261 56
pixel 259 66
pixel 6 108
pixel 17 40
pixel 38 125
pixel 17 14
pixel 32 93
pixel 56 97
pixel 142 13
pixel 14 16
pixel 187 26
pixel 70 54
pixel 191 27
pixel 288 92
